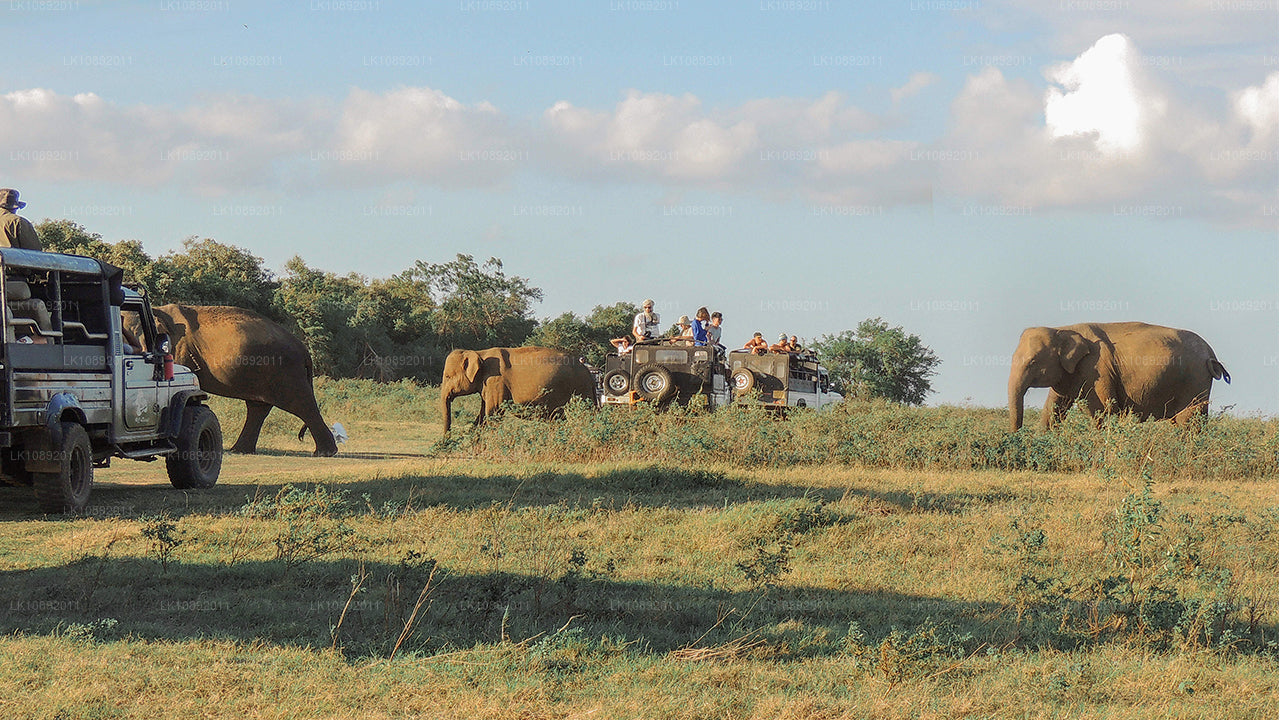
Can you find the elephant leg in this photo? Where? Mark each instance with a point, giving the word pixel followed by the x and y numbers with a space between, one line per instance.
pixel 303 406
pixel 255 414
pixel 491 396
pixel 1050 409
pixel 1188 416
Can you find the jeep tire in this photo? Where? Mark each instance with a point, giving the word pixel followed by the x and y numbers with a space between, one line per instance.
pixel 67 491
pixel 743 381
pixel 196 464
pixel 654 383
pixel 617 383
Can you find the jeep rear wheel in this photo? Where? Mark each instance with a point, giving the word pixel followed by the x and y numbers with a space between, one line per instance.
pixel 743 381
pixel 653 382
pixel 196 464
pixel 67 491
pixel 617 383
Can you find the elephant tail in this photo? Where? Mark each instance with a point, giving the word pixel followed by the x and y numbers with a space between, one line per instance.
pixel 302 433
pixel 1218 371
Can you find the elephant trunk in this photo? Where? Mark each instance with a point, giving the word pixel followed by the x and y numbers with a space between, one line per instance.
pixel 1017 391
pixel 446 402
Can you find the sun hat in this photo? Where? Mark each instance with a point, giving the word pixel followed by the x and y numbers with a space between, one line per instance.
pixel 9 199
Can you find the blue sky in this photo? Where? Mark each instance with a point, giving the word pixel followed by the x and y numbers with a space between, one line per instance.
pixel 963 168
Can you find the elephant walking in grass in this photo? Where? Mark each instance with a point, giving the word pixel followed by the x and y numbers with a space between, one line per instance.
pixel 1148 370
pixel 538 377
pixel 237 353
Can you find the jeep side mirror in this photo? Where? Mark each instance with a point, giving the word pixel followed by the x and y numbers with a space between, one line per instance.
pixel 163 344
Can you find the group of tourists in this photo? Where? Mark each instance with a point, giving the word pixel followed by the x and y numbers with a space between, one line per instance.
pixel 702 329
pixel 785 344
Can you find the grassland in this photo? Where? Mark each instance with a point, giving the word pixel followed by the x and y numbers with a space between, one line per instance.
pixel 876 562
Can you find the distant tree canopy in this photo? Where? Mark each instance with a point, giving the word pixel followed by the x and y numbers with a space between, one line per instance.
pixel 586 337
pixel 878 361
pixel 387 329
pixel 205 272
pixel 405 325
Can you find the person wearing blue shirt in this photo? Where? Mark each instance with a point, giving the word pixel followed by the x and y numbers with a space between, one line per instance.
pixel 700 320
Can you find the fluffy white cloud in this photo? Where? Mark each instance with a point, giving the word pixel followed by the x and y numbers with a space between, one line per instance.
pixel 424 135
pixel 781 146
pixel 1113 135
pixel 225 144
pixel 1103 128
pixel 649 136
pixel 1100 96
pixel 1258 106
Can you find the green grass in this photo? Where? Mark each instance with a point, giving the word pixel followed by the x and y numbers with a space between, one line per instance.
pixel 881 434
pixel 501 577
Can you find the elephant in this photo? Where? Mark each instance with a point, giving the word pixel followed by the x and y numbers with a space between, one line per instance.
pixel 1151 371
pixel 534 376
pixel 240 354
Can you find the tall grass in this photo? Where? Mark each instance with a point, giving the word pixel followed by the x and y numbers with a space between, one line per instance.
pixel 882 434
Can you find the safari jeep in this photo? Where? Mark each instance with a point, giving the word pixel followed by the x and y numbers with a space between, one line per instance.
pixel 76 389
pixel 663 371
pixel 781 379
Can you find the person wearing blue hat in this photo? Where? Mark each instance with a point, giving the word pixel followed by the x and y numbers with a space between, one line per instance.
pixel 15 230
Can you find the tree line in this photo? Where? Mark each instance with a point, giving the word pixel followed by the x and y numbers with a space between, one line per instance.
pixel 403 326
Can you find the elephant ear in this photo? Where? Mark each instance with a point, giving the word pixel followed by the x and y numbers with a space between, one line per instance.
pixel 1072 348
pixel 471 365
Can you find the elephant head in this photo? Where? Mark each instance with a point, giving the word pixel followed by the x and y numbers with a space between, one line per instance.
pixel 462 376
pixel 1045 357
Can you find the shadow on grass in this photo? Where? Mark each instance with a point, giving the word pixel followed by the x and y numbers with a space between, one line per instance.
pixel 614 489
pixel 261 601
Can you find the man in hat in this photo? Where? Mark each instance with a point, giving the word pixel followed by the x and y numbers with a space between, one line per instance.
pixel 782 346
pixel 645 326
pixel 15 231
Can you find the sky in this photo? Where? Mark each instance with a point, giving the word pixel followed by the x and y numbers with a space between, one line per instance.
pixel 961 168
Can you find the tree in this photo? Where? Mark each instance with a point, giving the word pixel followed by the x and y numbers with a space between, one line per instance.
pixel 65 236
pixel 586 337
pixel 878 361
pixel 478 306
pixel 206 272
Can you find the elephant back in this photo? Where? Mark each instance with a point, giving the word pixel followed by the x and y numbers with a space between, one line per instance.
pixel 230 340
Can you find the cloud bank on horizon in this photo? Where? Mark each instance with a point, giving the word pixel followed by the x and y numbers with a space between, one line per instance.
pixel 1102 129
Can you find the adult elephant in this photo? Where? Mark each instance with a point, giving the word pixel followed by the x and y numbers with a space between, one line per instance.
pixel 535 376
pixel 1148 370
pixel 240 354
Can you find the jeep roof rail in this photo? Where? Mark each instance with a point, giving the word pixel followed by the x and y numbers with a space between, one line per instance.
pixel 40 260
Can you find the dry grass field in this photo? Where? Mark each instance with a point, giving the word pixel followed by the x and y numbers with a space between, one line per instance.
pixel 504 576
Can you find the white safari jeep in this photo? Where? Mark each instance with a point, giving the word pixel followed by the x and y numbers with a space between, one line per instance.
pixel 77 389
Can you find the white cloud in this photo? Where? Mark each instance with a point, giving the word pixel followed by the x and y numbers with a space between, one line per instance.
pixel 1160 149
pixel 1100 130
pixel 917 82
pixel 422 134
pixel 814 148
pixel 1099 95
pixel 1258 106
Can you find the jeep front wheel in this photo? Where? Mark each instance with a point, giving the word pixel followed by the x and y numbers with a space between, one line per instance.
pixel 196 464
pixel 67 491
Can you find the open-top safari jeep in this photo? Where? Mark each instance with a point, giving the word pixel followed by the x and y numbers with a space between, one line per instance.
pixel 664 371
pixel 76 389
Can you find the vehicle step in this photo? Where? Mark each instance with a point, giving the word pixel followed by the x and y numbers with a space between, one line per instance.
pixel 136 453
